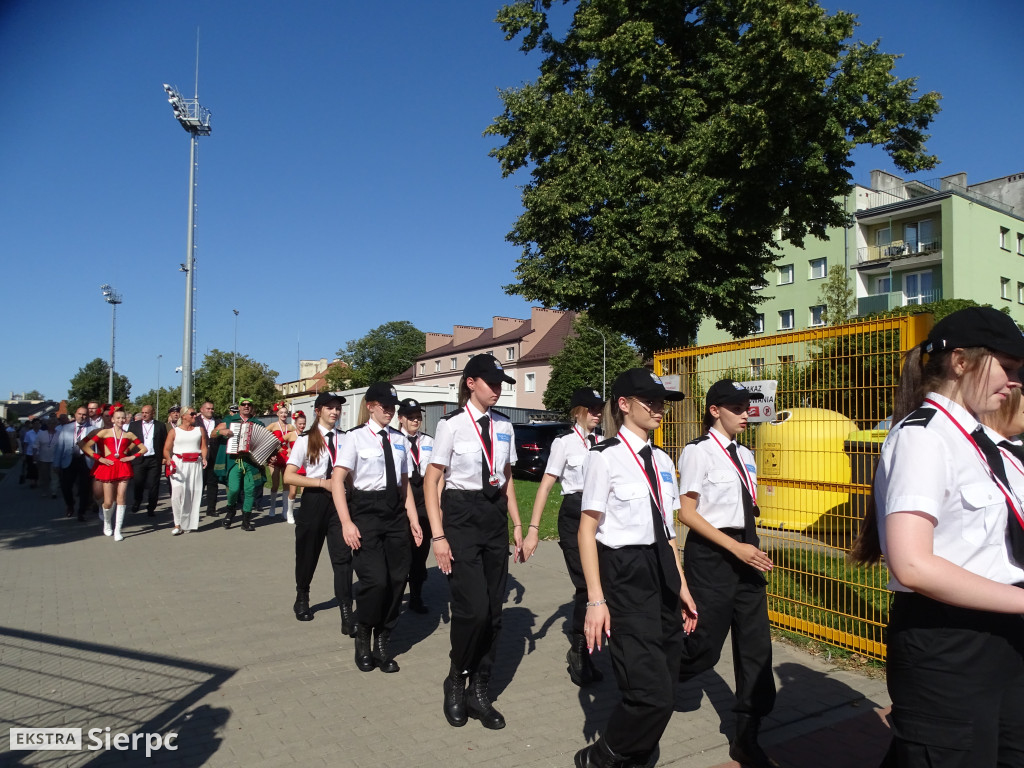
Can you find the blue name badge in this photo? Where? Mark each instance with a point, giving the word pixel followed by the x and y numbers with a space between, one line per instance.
pixel 399 446
pixel 751 468
pixel 427 448
pixel 503 438
pixel 666 477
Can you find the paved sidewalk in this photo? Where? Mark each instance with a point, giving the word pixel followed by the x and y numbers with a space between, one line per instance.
pixel 195 634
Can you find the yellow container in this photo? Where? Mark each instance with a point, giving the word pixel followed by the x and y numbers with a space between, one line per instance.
pixel 806 445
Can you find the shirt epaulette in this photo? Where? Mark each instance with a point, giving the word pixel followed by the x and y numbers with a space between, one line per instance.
pixel 606 444
pixel 659 448
pixel 456 412
pixel 918 418
pixel 700 439
pixel 499 413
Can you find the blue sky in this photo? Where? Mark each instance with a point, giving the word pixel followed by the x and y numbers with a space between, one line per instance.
pixel 346 183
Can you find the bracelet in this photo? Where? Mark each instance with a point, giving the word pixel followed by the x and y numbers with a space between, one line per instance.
pixel 535 526
pixel 518 525
pixel 438 538
pixel 596 603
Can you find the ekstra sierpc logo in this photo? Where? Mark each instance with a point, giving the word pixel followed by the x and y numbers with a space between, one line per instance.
pixel 70 740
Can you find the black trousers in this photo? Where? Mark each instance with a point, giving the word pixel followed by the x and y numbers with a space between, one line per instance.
pixel 77 475
pixel 418 568
pixel 210 484
pixel 317 521
pixel 477 532
pixel 146 485
pixel 646 642
pixel 729 596
pixel 956 678
pixel 382 560
pixel 568 530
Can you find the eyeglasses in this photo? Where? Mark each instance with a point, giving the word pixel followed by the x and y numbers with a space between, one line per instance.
pixel 652 406
pixel 735 408
pixel 190 413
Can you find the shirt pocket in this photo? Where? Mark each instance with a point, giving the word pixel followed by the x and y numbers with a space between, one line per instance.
pixel 466 456
pixel 984 514
pixel 636 497
pixel 371 462
pixel 722 487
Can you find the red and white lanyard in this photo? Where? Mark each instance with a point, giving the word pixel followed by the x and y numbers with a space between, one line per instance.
pixel 586 445
pixel 656 495
pixel 377 435
pixel 745 478
pixel 414 455
pixel 1014 461
pixel 1007 493
pixel 489 458
pixel 145 435
pixel 333 454
pixel 117 443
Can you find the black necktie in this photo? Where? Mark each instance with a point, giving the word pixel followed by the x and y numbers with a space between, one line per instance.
pixel 666 557
pixel 592 440
pixel 414 450
pixel 330 449
pixel 391 491
pixel 995 462
pixel 750 510
pixel 490 491
pixel 1016 450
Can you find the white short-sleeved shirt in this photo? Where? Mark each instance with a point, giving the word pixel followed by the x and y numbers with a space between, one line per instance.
pixel 362 454
pixel 705 468
pixel 297 456
pixel 928 466
pixel 45 445
pixel 458 447
pixel 425 445
pixel 616 486
pixel 28 442
pixel 568 460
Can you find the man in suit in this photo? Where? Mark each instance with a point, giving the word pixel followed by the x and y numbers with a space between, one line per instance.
pixel 72 465
pixel 149 468
pixel 208 422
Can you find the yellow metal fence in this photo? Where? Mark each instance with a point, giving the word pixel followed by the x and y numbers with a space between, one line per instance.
pixel 815 460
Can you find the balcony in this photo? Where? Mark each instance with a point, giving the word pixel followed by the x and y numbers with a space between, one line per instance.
pixel 898 250
pixel 884 302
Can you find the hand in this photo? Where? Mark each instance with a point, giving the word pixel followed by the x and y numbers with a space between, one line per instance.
pixel 689 610
pixel 752 556
pixel 443 555
pixel 530 544
pixel 105 461
pixel 517 539
pixel 597 627
pixel 204 463
pixel 417 532
pixel 352 535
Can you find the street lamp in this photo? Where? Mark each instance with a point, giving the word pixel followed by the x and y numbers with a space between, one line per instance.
pixel 158 385
pixel 234 355
pixel 113 298
pixel 195 119
pixel 604 358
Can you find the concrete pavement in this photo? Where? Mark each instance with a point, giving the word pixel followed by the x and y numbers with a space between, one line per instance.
pixel 194 634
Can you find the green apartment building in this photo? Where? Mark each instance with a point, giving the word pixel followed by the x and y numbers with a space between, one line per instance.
pixel 911 242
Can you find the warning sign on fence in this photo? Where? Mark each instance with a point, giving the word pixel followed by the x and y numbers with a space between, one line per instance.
pixel 762 410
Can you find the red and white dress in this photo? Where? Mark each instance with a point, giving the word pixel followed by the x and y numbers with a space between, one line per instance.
pixel 280 458
pixel 115 449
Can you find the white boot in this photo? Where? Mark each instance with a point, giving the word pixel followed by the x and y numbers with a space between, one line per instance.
pixel 290 511
pixel 117 522
pixel 273 505
pixel 105 517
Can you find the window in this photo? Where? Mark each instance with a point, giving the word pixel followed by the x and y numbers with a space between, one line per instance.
pixel 510 353
pixel 455 364
pixel 1020 243
pixel 787 359
pixel 883 285
pixel 423 368
pixel 819 269
pixel 1003 232
pixel 756 366
pixel 1020 293
pixel 817 315
pixel 785 319
pixel 437 366
pixel 917 288
pixel 531 382
pixel 785 274
pixel 506 387
pixel 1004 288
pixel 451 388
pixel 759 324
pixel 918 237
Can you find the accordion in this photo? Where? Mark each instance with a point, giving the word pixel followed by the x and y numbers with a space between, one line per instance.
pixel 254 439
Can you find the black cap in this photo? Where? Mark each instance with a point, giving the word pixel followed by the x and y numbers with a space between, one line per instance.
pixel 586 397
pixel 488 368
pixel 977 327
pixel 639 382
pixel 327 398
pixel 381 392
pixel 729 392
pixel 408 405
pixel 232 409
pixel 174 408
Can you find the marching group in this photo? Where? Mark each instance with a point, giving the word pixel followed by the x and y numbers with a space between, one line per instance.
pixel 946 512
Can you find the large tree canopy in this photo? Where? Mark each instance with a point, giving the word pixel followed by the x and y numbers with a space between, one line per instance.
pixel 92 383
pixel 252 379
pixel 382 354
pixel 669 142
pixel 587 359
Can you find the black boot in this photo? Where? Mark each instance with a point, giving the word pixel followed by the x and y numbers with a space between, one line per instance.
pixel 247 522
pixel 416 604
pixel 229 516
pixel 302 610
pixel 577 657
pixel 478 704
pixel 364 657
pixel 348 622
pixel 744 749
pixel 599 755
pixel 381 653
pixel 455 698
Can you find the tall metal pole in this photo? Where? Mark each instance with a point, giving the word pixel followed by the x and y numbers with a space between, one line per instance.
pixel 158 385
pixel 234 357
pixel 110 377
pixel 186 362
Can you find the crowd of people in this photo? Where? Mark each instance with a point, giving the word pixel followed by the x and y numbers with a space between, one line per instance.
pixel 947 512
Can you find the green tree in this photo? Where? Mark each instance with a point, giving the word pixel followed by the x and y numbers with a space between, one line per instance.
pixel 579 364
pixel 168 396
pixel 253 379
pixel 92 383
pixel 668 142
pixel 381 354
pixel 838 296
pixel 34 394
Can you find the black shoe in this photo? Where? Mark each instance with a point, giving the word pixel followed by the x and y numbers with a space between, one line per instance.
pixel 478 704
pixel 151 513
pixel 136 508
pixel 247 522
pixel 598 755
pixel 577 657
pixel 226 522
pixel 364 656
pixel 416 604
pixel 744 748
pixel 381 653
pixel 302 610
pixel 348 622
pixel 455 698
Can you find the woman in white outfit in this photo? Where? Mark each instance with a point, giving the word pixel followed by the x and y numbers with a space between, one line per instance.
pixel 185 454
